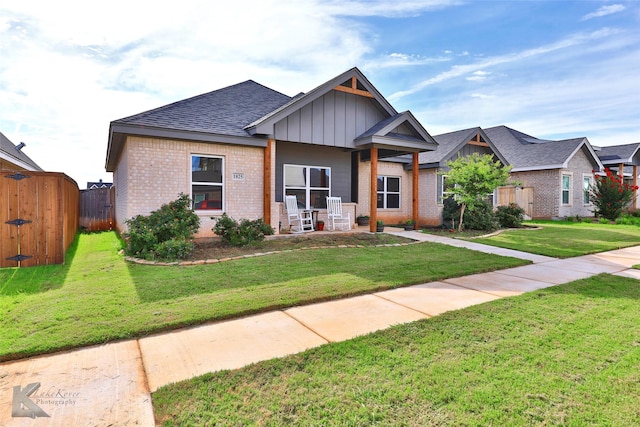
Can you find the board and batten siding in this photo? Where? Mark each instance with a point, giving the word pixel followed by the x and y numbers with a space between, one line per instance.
pixel 334 119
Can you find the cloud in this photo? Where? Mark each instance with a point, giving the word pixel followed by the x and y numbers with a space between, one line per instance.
pixel 604 11
pixel 478 76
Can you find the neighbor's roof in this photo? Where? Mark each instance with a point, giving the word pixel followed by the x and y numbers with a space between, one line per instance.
pixel 525 152
pixel 9 152
pixel 452 142
pixel 628 154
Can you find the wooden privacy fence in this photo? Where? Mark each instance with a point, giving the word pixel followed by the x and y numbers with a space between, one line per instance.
pixel 96 209
pixel 38 217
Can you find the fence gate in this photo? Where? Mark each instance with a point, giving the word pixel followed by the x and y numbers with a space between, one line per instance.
pixel 522 196
pixel 16 221
pixel 96 209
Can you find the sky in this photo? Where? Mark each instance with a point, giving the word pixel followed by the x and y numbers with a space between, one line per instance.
pixel 551 69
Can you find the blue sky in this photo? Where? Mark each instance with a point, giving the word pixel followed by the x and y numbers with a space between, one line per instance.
pixel 552 69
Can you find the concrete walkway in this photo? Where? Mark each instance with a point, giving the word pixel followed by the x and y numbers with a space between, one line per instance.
pixel 111 385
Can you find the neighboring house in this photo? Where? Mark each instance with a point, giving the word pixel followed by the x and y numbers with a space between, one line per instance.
pixel 13 158
pixel 98 184
pixel 240 149
pixel 559 174
pixel 433 167
pixel 623 160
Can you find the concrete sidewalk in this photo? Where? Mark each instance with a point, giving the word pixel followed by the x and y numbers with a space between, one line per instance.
pixel 111 384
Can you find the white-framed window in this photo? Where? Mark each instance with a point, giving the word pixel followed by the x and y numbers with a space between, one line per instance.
pixel 566 189
pixel 586 189
pixel 446 188
pixel 310 184
pixel 207 182
pixel 388 192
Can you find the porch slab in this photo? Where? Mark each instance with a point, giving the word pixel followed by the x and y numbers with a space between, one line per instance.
pixel 501 285
pixel 544 273
pixel 345 319
pixel 184 354
pixel 436 297
pixel 96 386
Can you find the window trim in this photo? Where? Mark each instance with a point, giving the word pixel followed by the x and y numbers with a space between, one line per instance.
pixel 586 193
pixel 385 192
pixel 568 190
pixel 213 184
pixel 308 188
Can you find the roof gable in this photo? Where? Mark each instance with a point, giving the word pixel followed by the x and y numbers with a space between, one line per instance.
pixel 628 154
pixel 402 130
pixel 450 144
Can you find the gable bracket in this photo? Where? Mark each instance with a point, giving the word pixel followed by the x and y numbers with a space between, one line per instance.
pixel 354 89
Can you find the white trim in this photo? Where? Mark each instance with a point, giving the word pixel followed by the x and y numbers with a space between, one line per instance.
pixel 212 184
pixel 590 178
pixel 570 189
pixel 385 193
pixel 307 187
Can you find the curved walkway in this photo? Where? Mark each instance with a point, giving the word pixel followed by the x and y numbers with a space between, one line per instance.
pixel 112 384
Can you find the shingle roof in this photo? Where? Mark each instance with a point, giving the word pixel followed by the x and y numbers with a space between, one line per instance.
pixel 525 152
pixel 616 154
pixel 9 151
pixel 450 143
pixel 225 111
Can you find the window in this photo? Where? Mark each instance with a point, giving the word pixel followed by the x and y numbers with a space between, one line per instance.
pixel 207 186
pixel 310 184
pixel 586 190
pixel 446 188
pixel 566 189
pixel 388 192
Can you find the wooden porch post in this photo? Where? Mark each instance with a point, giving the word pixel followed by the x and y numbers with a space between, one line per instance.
pixel 373 197
pixel 621 171
pixel 415 171
pixel 267 182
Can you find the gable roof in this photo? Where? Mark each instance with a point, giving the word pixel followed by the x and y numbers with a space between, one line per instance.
pixel 525 152
pixel 451 143
pixel 247 114
pixel 14 155
pixel 629 154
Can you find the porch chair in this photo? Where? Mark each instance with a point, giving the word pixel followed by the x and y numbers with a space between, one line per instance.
pixel 335 217
pixel 300 221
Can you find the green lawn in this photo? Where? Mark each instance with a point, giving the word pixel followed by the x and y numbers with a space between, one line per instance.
pixel 98 297
pixel 563 239
pixel 566 355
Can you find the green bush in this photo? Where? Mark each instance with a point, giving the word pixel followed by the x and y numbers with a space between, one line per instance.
pixel 628 219
pixel 241 233
pixel 510 216
pixel 481 217
pixel 165 233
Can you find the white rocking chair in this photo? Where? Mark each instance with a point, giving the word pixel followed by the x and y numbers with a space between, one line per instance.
pixel 300 221
pixel 335 217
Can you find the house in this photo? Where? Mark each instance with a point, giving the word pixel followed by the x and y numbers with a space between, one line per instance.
pixel 554 176
pixel 13 158
pixel 240 149
pixel 433 167
pixel 623 160
pixel 92 185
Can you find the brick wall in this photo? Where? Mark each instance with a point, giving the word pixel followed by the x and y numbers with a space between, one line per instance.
pixel 152 172
pixel 430 210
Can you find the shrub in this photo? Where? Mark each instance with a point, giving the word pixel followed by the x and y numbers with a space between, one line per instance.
pixel 510 216
pixel 610 195
pixel 480 217
pixel 243 233
pixel 149 236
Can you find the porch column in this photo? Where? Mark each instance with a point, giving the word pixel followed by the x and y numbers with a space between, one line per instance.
pixel 414 175
pixel 266 203
pixel 621 171
pixel 373 196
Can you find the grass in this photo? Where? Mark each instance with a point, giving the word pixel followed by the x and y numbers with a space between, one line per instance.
pixel 99 297
pixel 566 239
pixel 544 358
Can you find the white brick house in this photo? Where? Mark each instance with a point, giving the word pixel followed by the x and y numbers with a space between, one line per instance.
pixel 240 149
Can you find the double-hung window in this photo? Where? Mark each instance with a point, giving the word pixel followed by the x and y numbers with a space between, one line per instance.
pixel 586 190
pixel 445 189
pixel 207 182
pixel 566 189
pixel 310 184
pixel 388 192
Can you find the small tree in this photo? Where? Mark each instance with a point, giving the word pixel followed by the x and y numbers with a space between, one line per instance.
pixel 610 195
pixel 473 177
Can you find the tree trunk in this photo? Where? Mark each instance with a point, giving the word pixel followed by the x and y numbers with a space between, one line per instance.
pixel 462 209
